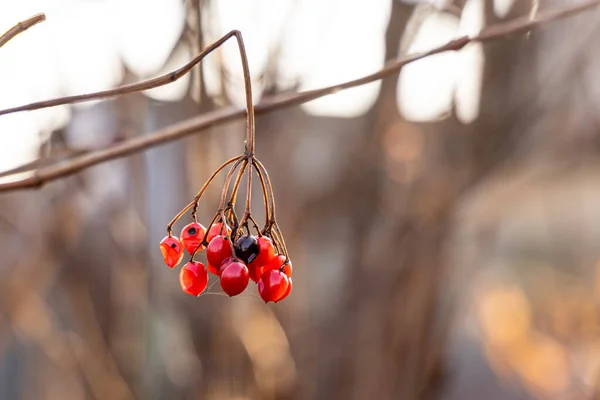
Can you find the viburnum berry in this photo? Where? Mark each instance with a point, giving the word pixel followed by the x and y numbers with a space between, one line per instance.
pixel 287 268
pixel 272 285
pixel 172 250
pixel 287 292
pixel 266 251
pixel 234 278
pixel 193 278
pixel 246 248
pixel 255 271
pixel 217 251
pixel 216 230
pixel 275 264
pixel 192 235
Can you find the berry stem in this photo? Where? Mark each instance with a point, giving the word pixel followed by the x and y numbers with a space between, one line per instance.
pixel 236 186
pixel 234 221
pixel 196 201
pixel 177 217
pixel 250 133
pixel 278 242
pixel 228 182
pixel 248 195
pixel 278 232
pixel 207 183
pixel 265 195
pixel 251 219
pixel 269 187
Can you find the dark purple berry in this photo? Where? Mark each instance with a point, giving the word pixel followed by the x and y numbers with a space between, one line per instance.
pixel 246 248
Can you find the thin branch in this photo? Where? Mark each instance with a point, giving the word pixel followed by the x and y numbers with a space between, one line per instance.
pixel 59 154
pixel 21 27
pixel 141 86
pixel 226 114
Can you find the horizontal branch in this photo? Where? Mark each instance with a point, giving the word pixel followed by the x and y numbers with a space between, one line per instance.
pixel 21 27
pixel 226 114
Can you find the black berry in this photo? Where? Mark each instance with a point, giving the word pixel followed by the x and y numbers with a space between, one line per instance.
pixel 246 248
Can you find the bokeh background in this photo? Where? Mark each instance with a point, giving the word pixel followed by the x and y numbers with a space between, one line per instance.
pixel 443 223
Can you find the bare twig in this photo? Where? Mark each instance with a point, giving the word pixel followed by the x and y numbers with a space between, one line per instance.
pixel 135 87
pixel 21 27
pixel 226 114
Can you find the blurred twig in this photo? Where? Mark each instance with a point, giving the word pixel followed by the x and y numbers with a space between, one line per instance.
pixel 21 27
pixel 58 155
pixel 227 114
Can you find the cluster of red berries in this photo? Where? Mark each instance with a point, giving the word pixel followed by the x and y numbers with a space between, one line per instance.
pixel 233 253
pixel 250 257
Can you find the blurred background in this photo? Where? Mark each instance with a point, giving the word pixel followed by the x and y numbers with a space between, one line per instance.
pixel 443 223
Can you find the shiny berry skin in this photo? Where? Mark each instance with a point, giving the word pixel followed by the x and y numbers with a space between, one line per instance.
pixel 215 230
pixel 246 248
pixel 255 271
pixel 193 278
pixel 172 250
pixel 234 278
pixel 272 285
pixel 287 268
pixel 275 264
pixel 212 269
pixel 266 251
pixel 287 292
pixel 192 235
pixel 217 251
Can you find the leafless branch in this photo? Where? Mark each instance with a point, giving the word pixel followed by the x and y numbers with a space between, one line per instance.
pixel 192 125
pixel 126 89
pixel 21 27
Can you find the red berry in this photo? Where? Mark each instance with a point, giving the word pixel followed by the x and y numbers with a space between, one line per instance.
pixel 193 278
pixel 287 292
pixel 266 254
pixel 255 272
pixel 234 278
pixel 266 251
pixel 287 268
pixel 212 269
pixel 216 230
pixel 275 263
pixel 217 251
pixel 272 285
pixel 171 250
pixel 192 235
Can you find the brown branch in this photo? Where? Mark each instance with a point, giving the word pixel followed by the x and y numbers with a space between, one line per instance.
pixel 226 114
pixel 134 87
pixel 21 27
